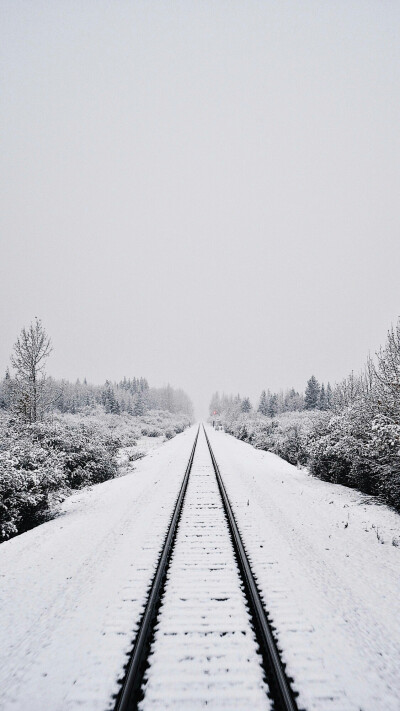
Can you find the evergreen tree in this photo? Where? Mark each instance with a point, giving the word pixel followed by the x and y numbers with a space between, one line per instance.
pixel 323 400
pixel 273 406
pixel 263 405
pixel 293 401
pixel 329 397
pixel 109 400
pixel 139 407
pixel 312 394
pixel 5 391
pixel 245 405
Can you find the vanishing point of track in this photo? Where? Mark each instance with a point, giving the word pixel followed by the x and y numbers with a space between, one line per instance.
pixel 280 691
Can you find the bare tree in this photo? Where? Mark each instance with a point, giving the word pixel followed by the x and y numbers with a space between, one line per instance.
pixel 347 392
pixel 29 355
pixel 387 374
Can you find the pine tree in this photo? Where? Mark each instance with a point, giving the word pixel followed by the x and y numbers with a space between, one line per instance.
pixel 245 405
pixel 263 405
pixel 323 400
pixel 312 394
pixel 109 400
pixel 6 391
pixel 273 406
pixel 329 398
pixel 139 407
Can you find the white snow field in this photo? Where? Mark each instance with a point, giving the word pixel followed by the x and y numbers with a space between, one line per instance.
pixel 204 654
pixel 73 589
pixel 328 567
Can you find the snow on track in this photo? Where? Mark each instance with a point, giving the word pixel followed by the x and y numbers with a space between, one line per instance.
pixel 72 591
pixel 204 653
pixel 330 586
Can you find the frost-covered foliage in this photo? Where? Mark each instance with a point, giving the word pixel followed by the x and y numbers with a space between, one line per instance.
pixel 360 452
pixel 349 435
pixel 29 476
pixel 127 428
pixel 131 396
pixel 287 435
pixel 41 463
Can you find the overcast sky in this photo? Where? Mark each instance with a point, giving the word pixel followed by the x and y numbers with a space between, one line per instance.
pixel 205 193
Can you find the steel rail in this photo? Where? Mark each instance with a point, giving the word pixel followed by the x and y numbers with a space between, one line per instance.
pixel 128 696
pixel 279 685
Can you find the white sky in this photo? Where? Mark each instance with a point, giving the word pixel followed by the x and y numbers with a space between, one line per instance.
pixel 205 193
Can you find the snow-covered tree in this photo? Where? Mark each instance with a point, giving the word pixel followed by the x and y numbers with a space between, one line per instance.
pixel 263 405
pixel 293 401
pixel 29 356
pixel 387 375
pixel 323 400
pixel 329 396
pixel 6 391
pixel 347 392
pixel 140 406
pixel 273 406
pixel 312 394
pixel 109 400
pixel 245 405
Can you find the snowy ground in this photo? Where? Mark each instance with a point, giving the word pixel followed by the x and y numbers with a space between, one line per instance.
pixel 72 589
pixel 329 573
pixel 143 446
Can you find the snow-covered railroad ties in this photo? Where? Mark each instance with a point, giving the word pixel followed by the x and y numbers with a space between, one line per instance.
pixel 204 638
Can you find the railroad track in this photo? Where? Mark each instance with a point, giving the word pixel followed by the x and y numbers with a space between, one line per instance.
pixel 204 636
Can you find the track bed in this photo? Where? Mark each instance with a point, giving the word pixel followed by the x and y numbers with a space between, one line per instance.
pixel 204 652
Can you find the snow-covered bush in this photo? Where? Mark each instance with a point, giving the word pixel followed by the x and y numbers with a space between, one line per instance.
pixel 40 463
pixel 30 477
pixel 339 453
pixel 128 428
pixel 158 422
pixel 151 431
pixel 385 444
pixel 294 432
pixel 124 428
pixel 350 446
pixel 287 435
pixel 359 452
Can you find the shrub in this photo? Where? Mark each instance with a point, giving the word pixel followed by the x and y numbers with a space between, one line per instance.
pixel 40 463
pixel 28 478
pixel 385 445
pixel 350 447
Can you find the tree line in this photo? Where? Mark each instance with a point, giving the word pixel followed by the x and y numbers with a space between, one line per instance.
pixel 29 393
pixel 315 397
